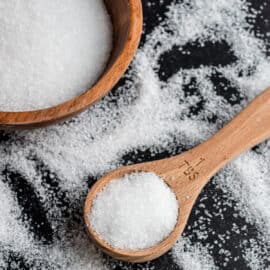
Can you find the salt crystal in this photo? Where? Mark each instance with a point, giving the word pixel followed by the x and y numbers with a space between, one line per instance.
pixel 134 212
pixel 153 116
pixel 50 51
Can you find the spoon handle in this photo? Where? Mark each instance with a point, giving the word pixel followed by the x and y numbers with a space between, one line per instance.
pixel 248 128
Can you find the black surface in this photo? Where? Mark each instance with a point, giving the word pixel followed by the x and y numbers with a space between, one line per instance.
pixel 212 54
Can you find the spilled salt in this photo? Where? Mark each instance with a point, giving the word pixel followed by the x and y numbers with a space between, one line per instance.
pixel 192 257
pixel 134 212
pixel 147 118
pixel 50 51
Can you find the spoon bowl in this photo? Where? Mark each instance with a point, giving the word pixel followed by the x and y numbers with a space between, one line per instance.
pixel 187 173
pixel 134 255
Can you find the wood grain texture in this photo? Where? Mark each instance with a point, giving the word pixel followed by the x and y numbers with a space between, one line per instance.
pixel 188 173
pixel 127 24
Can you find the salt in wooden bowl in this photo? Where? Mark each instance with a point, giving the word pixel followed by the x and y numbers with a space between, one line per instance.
pixel 126 18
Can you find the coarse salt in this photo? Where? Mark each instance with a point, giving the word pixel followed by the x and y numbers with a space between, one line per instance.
pixel 134 212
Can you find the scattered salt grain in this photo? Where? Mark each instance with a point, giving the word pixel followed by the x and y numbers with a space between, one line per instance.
pixel 134 212
pixel 192 257
pixel 50 51
pixel 153 116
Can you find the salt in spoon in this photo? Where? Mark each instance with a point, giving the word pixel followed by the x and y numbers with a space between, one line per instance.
pixel 188 173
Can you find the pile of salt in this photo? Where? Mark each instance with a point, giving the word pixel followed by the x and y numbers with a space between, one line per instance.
pixel 50 51
pixel 134 212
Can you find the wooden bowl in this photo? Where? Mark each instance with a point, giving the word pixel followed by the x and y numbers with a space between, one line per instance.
pixel 126 17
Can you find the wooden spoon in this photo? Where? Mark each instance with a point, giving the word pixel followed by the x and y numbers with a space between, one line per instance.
pixel 188 173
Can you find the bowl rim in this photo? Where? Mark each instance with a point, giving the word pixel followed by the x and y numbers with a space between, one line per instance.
pixel 47 116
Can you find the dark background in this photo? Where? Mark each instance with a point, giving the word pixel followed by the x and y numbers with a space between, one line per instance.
pixel 211 54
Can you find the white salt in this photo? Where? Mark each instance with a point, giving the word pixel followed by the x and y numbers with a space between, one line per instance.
pixel 192 257
pixel 50 51
pixel 153 116
pixel 134 212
